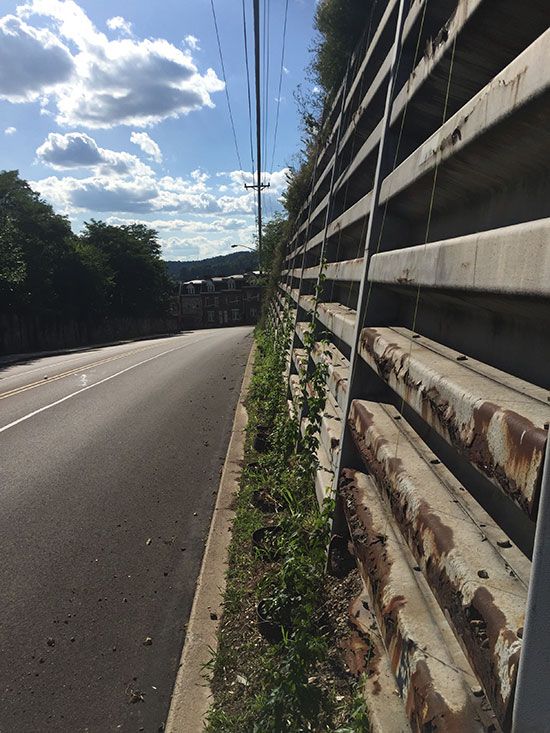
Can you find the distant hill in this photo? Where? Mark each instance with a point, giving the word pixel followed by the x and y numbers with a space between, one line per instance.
pixel 231 264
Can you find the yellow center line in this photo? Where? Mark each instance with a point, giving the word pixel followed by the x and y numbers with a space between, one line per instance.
pixel 62 375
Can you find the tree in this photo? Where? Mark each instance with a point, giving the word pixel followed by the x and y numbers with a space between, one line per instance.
pixel 339 24
pixel 273 239
pixel 140 283
pixel 84 281
pixel 230 264
pixel 45 270
pixel 43 239
pixel 12 265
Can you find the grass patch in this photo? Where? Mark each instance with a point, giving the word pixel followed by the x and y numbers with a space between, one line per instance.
pixel 299 683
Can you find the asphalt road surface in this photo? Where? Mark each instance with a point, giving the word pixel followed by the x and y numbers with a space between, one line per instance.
pixel 109 464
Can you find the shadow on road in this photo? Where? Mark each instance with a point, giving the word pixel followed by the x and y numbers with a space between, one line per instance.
pixel 9 360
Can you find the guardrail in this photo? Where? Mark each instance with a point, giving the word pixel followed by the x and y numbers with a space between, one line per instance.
pixel 429 221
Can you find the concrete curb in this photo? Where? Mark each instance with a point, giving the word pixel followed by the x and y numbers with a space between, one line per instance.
pixel 191 696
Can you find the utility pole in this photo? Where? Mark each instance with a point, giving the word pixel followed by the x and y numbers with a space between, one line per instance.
pixel 258 186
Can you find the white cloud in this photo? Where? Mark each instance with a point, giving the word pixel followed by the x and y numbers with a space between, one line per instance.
pixel 147 144
pixel 136 191
pixel 118 23
pixel 183 239
pixel 32 61
pixel 175 248
pixel 192 42
pixel 119 184
pixel 100 83
pixel 186 225
pixel 72 22
pixel 78 150
pixel 193 217
pixel 98 193
pixel 10 131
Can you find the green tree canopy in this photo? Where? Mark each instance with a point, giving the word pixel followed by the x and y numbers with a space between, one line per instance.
pixel 46 270
pixel 273 239
pixel 339 24
pixel 42 240
pixel 140 283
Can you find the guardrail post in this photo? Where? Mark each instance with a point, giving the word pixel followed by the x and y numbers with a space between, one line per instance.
pixel 531 710
pixel 330 204
pixel 383 164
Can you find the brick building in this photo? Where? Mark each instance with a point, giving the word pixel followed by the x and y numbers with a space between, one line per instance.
pixel 233 300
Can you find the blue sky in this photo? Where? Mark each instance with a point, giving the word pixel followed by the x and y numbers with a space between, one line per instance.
pixel 116 110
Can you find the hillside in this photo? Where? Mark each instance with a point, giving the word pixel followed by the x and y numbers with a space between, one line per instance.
pixel 231 264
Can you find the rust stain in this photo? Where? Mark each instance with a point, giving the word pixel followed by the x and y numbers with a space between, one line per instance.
pixel 373 656
pixel 356 649
pixel 427 709
pixel 488 627
pixel 523 443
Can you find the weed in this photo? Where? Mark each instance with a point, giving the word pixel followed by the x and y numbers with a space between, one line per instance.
pixel 288 687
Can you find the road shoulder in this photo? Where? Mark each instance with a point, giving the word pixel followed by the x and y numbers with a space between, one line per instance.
pixel 191 697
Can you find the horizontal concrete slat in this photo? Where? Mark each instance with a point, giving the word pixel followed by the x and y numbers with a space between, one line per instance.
pixel 338 371
pixel 324 477
pixel 368 147
pixel 434 682
pixel 331 431
pixel 449 538
pixel 345 271
pixel 385 708
pixel 492 420
pixel 337 365
pixel 299 356
pixel 315 241
pixel 381 75
pixel 295 391
pixel 513 260
pixel 356 213
pixel 321 206
pixel 524 79
pixel 339 319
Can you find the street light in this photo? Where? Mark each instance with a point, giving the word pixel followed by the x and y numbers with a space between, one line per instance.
pixel 252 249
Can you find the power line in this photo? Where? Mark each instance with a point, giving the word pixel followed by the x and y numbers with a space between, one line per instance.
pixel 248 88
pixel 267 8
pixel 280 87
pixel 258 186
pixel 227 90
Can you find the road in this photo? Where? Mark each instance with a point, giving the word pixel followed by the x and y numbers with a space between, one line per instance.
pixel 109 464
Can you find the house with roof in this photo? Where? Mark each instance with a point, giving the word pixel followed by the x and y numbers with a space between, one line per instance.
pixel 231 300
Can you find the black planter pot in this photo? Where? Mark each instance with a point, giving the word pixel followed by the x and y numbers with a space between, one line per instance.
pixel 340 560
pixel 269 627
pixel 265 540
pixel 263 501
pixel 261 441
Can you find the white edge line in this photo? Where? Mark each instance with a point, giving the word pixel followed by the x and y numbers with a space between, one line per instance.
pixel 90 386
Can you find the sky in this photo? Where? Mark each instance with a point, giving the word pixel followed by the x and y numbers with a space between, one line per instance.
pixel 116 110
